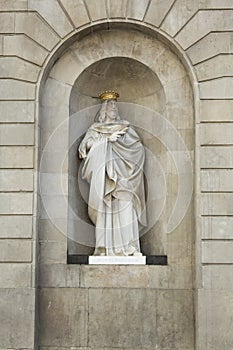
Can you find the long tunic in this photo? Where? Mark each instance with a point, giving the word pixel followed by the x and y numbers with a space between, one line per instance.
pixel 114 171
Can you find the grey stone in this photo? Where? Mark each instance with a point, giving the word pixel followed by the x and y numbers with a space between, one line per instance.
pixel 111 276
pixel 157 11
pixel 9 5
pixel 216 157
pixel 53 252
pixel 18 134
pixel 217 252
pixel 216 110
pixel 122 318
pixel 59 275
pixel 15 250
pixel 217 277
pixel 17 312
pixel 17 111
pixel 117 8
pixel 137 9
pixel 223 67
pixel 96 11
pixel 16 226
pixel 220 88
pixel 16 180
pixel 6 22
pixel 219 180
pixel 63 317
pixel 217 204
pixel 217 227
pixel 15 275
pixel 77 11
pixel 11 89
pixel 16 203
pixel 14 67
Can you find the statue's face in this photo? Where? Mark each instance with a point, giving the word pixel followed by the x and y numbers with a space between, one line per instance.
pixel 111 109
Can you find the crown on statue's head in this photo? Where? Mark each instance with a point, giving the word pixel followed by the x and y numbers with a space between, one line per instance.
pixel 108 95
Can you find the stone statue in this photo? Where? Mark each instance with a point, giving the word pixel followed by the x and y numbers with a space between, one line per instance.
pixel 113 166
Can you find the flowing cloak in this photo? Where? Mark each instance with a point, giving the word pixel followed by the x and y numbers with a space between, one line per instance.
pixel 114 171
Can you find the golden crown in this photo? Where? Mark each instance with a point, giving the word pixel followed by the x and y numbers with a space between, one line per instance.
pixel 108 95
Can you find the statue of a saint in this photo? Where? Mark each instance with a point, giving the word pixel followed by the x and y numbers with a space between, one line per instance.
pixel 113 166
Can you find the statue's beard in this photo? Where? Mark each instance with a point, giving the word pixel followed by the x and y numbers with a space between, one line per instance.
pixel 112 114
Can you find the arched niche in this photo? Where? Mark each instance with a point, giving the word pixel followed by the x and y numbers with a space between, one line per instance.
pixel 72 80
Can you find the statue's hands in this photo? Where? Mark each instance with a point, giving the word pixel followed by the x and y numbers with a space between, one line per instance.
pixel 115 135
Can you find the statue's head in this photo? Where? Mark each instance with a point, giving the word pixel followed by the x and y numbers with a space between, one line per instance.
pixel 109 109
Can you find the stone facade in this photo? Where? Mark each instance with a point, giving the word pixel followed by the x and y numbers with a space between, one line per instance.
pixel 48 304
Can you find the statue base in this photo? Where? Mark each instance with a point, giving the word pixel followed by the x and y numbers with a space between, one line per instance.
pixel 117 260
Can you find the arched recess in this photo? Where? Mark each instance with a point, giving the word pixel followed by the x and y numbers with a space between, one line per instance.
pixel 177 108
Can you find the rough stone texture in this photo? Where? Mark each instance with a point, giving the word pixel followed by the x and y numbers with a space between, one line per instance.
pixel 215 320
pixel 15 226
pixel 17 314
pixel 59 276
pixel 217 204
pixel 16 180
pixel 34 27
pixel 211 45
pixel 170 277
pixel 202 23
pixel 216 157
pixel 217 252
pixel 16 90
pixel 114 276
pixel 53 252
pixel 216 110
pixel 16 157
pixel 117 9
pixel 217 180
pixel 6 22
pixel 17 203
pixel 77 11
pixel 157 11
pixel 217 277
pixel 15 275
pixel 137 8
pixel 16 68
pixel 217 227
pixel 223 67
pixel 96 12
pixel 17 111
pixel 63 317
pixel 25 47
pixel 216 134
pixel 18 134
pixel 13 250
pixel 53 14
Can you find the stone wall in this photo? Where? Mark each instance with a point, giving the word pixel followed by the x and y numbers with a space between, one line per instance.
pixel 33 34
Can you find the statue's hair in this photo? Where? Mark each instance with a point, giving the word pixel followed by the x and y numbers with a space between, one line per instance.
pixel 101 114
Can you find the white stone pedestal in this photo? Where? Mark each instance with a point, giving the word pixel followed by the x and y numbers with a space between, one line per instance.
pixel 117 260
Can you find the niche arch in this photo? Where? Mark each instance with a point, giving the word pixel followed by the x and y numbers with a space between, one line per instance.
pixel 175 102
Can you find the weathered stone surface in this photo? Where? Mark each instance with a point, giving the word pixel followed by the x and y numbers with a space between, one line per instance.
pixel 11 89
pixel 16 180
pixel 6 22
pixel 63 317
pixel 137 9
pixel 14 67
pixel 217 204
pixel 170 277
pixel 117 8
pixel 157 11
pixel 17 111
pixel 9 5
pixel 15 250
pixel 15 275
pixel 216 157
pixel 217 252
pixel 59 275
pixel 53 14
pixel 217 277
pixel 77 11
pixel 17 312
pixel 16 157
pixel 17 134
pixel 216 110
pixel 24 47
pixel 122 318
pixel 111 276
pixel 53 184
pixel 223 67
pixel 216 134
pixel 96 12
pixel 31 24
pixel 215 309
pixel 221 88
pixel 16 203
pixel 53 252
pixel 54 206
pixel 217 227
pixel 49 230
pixel 217 180
pixel 211 45
pixel 175 320
pixel 202 23
pixel 15 226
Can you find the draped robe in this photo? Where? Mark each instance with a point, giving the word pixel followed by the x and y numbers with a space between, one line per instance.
pixel 114 171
